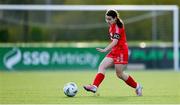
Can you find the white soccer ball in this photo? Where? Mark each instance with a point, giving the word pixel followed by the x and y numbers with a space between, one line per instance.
pixel 70 89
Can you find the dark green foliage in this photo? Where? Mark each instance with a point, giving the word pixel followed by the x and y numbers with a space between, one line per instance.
pixel 42 26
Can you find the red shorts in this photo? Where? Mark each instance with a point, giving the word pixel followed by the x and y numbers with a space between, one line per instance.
pixel 119 56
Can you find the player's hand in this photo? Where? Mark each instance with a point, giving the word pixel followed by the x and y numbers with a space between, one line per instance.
pixel 101 50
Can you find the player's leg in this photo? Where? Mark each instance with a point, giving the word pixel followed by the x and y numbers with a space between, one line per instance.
pixel 105 63
pixel 127 78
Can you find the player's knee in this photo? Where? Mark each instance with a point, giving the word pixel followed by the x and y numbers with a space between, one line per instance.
pixel 119 75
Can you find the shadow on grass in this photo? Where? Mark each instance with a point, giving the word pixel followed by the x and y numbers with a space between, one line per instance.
pixel 93 99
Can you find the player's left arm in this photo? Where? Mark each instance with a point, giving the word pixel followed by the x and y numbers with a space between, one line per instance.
pixel 111 45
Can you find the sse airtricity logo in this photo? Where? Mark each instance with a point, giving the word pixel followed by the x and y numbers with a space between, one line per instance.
pixel 12 57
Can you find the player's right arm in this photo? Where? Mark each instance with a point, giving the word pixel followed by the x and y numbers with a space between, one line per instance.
pixel 109 47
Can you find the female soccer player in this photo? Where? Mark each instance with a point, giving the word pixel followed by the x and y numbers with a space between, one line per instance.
pixel 118 54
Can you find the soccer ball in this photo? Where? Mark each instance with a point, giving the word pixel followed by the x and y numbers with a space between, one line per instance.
pixel 70 89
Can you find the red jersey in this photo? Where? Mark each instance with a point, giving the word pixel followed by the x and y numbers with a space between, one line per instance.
pixel 118 33
pixel 119 53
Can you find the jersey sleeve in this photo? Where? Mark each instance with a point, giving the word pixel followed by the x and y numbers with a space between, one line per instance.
pixel 117 34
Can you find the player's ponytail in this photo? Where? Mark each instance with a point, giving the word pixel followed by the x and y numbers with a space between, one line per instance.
pixel 119 23
pixel 114 14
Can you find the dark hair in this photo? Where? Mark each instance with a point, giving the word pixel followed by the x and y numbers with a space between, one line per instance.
pixel 113 14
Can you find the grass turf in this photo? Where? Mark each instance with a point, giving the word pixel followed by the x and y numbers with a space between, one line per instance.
pixel 160 87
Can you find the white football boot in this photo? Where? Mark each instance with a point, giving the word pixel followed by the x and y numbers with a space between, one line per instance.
pixel 139 90
pixel 91 88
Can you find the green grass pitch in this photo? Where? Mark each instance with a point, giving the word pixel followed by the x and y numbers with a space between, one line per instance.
pixel 159 87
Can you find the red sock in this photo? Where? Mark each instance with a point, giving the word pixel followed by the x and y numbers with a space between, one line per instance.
pixel 130 81
pixel 98 79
